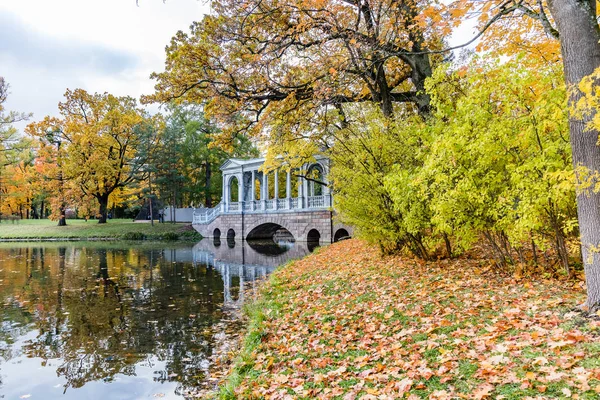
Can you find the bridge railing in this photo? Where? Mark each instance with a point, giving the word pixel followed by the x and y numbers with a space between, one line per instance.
pixel 283 204
pixel 259 206
pixel 269 204
pixel 208 215
pixel 316 202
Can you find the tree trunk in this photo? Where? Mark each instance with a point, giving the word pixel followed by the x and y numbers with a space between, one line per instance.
pixel 420 65
pixel 62 219
pixel 103 209
pixel 207 196
pixel 448 246
pixel 579 36
pixel 42 210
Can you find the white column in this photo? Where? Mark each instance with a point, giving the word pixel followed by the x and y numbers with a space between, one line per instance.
pixel 276 189
pixel 241 189
pixel 326 189
pixel 264 190
pixel 225 194
pixel 265 186
pixel 306 185
pixel 253 188
pixel 300 191
pixel 288 189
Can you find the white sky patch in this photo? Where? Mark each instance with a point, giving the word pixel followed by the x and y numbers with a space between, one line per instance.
pixel 104 46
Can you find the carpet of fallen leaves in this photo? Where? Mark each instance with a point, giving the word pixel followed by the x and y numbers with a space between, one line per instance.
pixel 346 323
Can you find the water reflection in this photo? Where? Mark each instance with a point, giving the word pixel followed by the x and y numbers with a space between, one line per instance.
pixel 101 320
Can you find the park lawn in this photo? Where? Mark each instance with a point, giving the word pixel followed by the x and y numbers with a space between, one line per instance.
pixel 346 323
pixel 80 229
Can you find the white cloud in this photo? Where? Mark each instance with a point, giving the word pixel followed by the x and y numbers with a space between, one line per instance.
pixel 109 45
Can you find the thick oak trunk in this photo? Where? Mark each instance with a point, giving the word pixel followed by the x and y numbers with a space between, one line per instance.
pixel 579 36
pixel 420 65
pixel 103 208
pixel 62 219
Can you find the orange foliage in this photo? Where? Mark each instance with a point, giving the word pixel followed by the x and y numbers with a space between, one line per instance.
pixel 346 323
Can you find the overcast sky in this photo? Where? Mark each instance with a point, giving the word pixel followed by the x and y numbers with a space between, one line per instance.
pixel 110 46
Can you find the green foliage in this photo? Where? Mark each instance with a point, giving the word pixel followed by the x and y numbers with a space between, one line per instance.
pixel 500 160
pixel 170 236
pixel 133 236
pixel 186 162
pixel 371 147
pixel 493 160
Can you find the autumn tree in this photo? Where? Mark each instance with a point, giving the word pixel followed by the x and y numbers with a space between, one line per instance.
pixel 11 143
pixel 101 136
pixel 285 71
pixel 573 24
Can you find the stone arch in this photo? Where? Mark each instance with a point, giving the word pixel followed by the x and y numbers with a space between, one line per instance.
pixel 217 233
pixel 316 172
pixel 313 239
pixel 341 234
pixel 230 234
pixel 268 230
pixel 233 189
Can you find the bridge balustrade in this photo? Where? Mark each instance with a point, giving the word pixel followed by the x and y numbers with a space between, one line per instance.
pixel 316 201
pixel 263 206
pixel 283 204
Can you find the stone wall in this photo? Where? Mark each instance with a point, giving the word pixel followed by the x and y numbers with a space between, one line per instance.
pixel 181 214
pixel 298 223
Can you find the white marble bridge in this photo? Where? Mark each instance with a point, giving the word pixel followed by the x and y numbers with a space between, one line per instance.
pixel 259 205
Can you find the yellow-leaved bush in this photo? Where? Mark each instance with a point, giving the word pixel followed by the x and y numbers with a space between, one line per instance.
pixel 492 162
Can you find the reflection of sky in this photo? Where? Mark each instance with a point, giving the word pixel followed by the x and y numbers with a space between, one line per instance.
pixel 28 376
pixel 162 304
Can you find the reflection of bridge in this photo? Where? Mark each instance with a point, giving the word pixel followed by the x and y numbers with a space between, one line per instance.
pixel 260 205
pixel 244 261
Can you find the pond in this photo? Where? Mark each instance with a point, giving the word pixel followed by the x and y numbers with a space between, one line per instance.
pixel 121 320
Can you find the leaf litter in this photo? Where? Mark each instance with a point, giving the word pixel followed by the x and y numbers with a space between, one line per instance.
pixel 346 323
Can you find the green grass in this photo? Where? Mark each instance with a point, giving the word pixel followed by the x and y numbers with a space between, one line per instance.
pixel 121 229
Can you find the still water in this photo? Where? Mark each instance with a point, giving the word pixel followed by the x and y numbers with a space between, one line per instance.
pixel 120 320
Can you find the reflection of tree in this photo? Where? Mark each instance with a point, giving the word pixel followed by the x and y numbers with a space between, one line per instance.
pixel 102 311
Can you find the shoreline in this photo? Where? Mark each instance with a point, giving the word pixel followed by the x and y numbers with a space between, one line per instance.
pixel 81 230
pixel 89 239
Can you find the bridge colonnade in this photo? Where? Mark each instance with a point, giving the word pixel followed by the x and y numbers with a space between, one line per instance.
pixel 258 204
pixel 247 176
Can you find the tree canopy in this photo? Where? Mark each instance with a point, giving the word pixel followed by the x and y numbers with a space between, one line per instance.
pixel 287 69
pixel 96 145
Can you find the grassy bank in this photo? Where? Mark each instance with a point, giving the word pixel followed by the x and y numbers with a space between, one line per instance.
pixel 346 323
pixel 120 229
